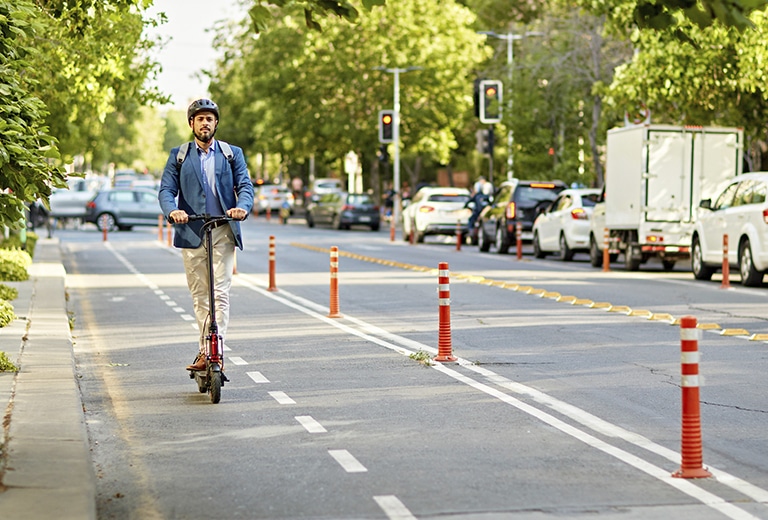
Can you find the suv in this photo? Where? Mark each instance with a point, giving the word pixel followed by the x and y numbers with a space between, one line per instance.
pixel 514 201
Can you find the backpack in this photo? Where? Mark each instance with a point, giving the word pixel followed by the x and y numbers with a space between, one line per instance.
pixel 225 148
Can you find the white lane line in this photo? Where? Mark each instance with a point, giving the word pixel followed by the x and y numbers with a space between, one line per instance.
pixel 393 508
pixel 163 297
pixel 282 398
pixel 311 425
pixel 347 461
pixel 235 360
pixel 688 487
pixel 178 309
pixel 187 317
pixel 171 303
pixel 257 377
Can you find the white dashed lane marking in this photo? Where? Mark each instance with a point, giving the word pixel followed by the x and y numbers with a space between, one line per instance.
pixel 393 508
pixel 347 461
pixel 282 398
pixel 258 377
pixel 311 425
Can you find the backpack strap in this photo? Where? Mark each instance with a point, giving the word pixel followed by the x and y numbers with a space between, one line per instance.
pixel 225 149
pixel 181 155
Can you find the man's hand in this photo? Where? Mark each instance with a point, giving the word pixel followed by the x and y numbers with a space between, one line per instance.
pixel 178 216
pixel 237 213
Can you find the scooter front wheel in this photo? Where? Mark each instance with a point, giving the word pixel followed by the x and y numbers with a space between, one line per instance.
pixel 215 387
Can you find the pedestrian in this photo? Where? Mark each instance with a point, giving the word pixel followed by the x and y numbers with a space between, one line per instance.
pixel 211 178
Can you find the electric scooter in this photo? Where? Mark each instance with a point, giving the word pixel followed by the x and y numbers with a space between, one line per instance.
pixel 212 378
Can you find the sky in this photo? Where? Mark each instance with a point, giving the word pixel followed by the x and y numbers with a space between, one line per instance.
pixel 190 49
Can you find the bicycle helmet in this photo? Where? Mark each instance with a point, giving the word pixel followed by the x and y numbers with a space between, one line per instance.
pixel 202 105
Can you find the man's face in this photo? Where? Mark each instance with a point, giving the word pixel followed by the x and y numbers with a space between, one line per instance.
pixel 203 126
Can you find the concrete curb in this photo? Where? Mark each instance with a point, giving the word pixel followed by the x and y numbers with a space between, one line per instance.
pixel 49 471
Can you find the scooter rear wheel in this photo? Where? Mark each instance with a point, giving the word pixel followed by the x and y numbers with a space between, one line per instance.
pixel 215 387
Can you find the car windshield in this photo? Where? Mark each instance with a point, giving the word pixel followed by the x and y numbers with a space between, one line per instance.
pixel 359 200
pixel 527 195
pixel 449 197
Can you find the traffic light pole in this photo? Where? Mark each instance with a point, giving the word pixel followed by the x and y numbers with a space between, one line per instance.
pixel 396 141
pixel 510 38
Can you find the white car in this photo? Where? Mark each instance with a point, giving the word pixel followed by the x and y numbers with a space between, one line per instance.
pixel 272 197
pixel 563 227
pixel 741 212
pixel 436 211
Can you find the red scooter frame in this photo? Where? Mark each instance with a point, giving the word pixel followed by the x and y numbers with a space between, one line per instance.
pixel 212 378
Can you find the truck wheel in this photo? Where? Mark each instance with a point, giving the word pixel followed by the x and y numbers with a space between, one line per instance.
pixel 595 255
pixel 631 264
pixel 750 277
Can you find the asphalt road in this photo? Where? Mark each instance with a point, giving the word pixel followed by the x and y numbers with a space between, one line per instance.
pixel 557 407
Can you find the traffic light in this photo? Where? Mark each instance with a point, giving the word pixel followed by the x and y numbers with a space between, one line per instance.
pixel 490 101
pixel 482 141
pixel 383 154
pixel 485 141
pixel 386 126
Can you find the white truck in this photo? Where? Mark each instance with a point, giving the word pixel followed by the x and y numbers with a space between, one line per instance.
pixel 655 177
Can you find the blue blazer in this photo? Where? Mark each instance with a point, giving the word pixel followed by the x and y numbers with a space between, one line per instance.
pixel 182 188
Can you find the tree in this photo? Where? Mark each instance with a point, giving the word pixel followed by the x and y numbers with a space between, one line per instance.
pixel 299 91
pixel 26 146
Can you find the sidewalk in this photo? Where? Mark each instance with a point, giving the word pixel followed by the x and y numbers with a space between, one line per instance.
pixel 48 471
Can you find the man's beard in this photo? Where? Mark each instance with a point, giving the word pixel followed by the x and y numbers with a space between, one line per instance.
pixel 204 136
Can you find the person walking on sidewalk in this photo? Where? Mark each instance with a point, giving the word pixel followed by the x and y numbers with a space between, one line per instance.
pixel 211 178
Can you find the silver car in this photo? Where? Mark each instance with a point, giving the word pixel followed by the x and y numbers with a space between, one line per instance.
pixel 123 208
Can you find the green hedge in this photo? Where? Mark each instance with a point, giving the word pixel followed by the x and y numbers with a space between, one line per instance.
pixel 8 293
pixel 6 313
pixel 14 264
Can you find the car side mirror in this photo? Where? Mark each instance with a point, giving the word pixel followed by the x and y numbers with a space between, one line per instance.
pixel 706 204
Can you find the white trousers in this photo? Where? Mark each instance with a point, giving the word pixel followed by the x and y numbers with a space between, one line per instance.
pixel 196 267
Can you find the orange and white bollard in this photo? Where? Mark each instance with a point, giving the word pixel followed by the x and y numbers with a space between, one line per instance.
pixel 334 307
pixel 269 213
pixel 272 287
pixel 519 239
pixel 104 233
pixel 411 237
pixel 392 230
pixel 169 233
pixel 691 464
pixel 726 283
pixel 160 220
pixel 444 348
pixel 606 250
pixel 459 235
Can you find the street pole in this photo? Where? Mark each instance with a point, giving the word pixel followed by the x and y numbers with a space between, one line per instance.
pixel 397 204
pixel 510 37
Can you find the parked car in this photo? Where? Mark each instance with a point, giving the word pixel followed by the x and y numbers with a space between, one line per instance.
pixel 273 196
pixel 741 212
pixel 69 203
pixel 436 211
pixel 563 226
pixel 514 201
pixel 342 210
pixel 323 186
pixel 123 208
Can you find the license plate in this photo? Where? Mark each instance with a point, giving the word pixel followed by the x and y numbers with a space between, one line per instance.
pixel 365 219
